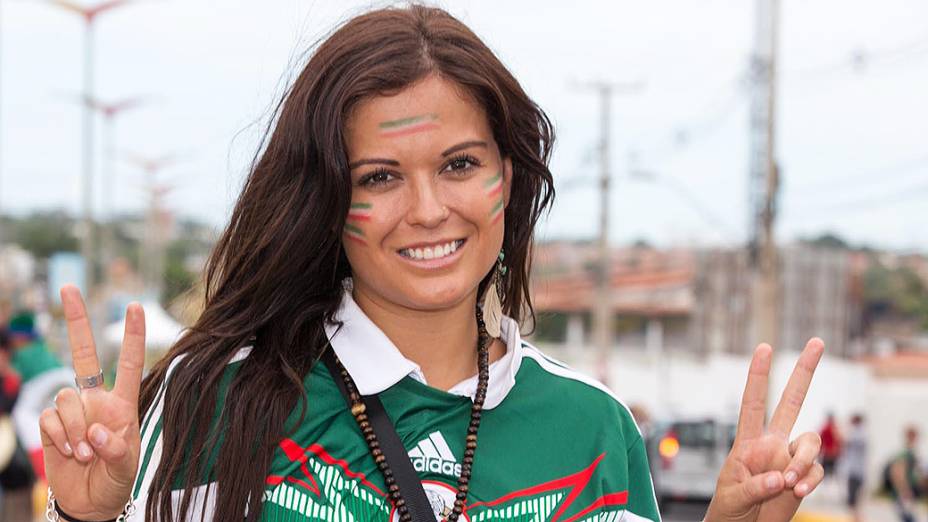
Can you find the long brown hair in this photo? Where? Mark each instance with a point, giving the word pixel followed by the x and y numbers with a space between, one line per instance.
pixel 276 273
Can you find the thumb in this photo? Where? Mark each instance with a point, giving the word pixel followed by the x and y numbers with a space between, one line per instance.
pixel 759 488
pixel 114 451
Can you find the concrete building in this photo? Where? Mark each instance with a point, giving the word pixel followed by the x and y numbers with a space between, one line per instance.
pixel 697 301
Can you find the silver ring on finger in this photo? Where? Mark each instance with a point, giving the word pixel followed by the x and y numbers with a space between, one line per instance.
pixel 86 383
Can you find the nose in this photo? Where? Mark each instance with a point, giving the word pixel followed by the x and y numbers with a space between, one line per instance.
pixel 426 207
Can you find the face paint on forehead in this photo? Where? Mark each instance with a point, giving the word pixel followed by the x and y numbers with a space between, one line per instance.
pixel 411 125
pixel 358 213
pixel 494 190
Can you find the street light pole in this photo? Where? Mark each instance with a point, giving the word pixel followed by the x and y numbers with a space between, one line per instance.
pixel 89 15
pixel 110 112
pixel 151 258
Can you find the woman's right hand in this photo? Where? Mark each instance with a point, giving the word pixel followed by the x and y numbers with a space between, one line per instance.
pixel 91 438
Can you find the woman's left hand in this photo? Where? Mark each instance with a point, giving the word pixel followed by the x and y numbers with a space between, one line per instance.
pixel 766 476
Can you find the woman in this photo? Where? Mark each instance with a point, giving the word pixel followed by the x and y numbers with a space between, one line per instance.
pixel 399 188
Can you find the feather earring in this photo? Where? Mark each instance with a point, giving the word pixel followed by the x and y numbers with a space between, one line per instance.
pixel 492 299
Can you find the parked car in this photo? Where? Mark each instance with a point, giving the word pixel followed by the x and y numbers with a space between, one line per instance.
pixel 686 456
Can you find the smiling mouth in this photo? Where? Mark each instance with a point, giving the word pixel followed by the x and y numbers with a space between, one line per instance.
pixel 432 252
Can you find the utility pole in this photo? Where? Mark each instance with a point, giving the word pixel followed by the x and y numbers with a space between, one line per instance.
pixel 602 311
pixel 764 180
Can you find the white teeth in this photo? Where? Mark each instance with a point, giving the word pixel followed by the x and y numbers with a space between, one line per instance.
pixel 431 252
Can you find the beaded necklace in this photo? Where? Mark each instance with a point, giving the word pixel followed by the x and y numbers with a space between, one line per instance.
pixel 358 411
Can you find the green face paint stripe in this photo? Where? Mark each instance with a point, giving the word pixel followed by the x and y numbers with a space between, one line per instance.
pixel 393 124
pixel 354 229
pixel 496 207
pixel 360 211
pixel 492 181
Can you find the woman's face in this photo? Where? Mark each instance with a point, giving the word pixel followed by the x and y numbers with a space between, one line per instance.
pixel 428 192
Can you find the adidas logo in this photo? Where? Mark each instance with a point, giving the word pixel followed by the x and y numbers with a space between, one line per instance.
pixel 433 455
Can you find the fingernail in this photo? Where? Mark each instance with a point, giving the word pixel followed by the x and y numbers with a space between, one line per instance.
pixel 791 478
pixel 67 449
pixel 98 437
pixel 83 450
pixel 802 489
pixel 772 482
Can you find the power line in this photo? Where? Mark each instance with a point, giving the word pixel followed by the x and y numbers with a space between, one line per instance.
pixel 903 194
pixel 874 177
pixel 859 60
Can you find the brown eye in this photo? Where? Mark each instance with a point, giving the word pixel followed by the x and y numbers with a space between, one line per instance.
pixel 376 178
pixel 463 163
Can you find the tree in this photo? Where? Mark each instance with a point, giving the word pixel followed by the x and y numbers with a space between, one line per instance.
pixel 43 233
pixel 895 291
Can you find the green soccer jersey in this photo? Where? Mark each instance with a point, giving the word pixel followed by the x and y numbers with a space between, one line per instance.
pixel 553 445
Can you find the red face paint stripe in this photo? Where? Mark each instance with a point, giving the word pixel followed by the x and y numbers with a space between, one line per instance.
pixel 356 239
pixel 360 212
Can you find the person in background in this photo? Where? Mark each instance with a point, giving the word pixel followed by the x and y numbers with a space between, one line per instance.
pixel 831 445
pixel 855 463
pixel 41 374
pixel 9 379
pixel 16 475
pixel 903 477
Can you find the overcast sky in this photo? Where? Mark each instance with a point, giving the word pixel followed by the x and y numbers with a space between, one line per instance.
pixel 852 139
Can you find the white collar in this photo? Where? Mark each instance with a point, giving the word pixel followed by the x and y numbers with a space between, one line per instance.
pixel 376 364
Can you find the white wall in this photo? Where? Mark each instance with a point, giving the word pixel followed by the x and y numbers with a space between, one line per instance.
pixel 683 386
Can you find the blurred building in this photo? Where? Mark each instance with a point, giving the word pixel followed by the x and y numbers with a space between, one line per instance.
pixel 652 297
pixel 17 271
pixel 697 301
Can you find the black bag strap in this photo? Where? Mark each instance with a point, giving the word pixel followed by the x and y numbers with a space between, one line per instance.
pixel 393 450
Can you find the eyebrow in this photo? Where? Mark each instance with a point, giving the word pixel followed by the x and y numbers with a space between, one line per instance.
pixel 373 161
pixel 394 163
pixel 464 145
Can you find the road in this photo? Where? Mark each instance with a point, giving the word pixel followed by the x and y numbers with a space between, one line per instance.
pixel 684 512
pixel 817 508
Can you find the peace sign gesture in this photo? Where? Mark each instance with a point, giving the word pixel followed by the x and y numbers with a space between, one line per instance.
pixel 91 438
pixel 765 477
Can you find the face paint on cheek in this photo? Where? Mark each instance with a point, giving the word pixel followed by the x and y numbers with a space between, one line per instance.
pixel 411 125
pixel 357 214
pixel 494 190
